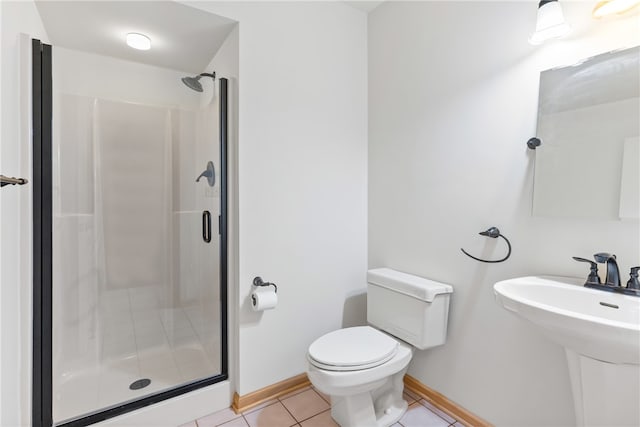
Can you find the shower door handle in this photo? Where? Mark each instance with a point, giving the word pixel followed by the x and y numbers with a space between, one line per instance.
pixel 206 226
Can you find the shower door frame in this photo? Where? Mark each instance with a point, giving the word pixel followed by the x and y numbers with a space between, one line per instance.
pixel 42 143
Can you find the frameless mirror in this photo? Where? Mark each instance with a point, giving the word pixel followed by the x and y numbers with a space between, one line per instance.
pixel 588 165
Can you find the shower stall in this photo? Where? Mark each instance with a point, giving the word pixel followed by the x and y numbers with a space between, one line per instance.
pixel 130 234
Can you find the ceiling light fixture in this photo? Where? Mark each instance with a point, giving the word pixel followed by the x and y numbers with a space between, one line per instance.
pixel 138 41
pixel 609 7
pixel 550 23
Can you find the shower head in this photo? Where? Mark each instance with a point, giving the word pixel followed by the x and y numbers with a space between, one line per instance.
pixel 194 82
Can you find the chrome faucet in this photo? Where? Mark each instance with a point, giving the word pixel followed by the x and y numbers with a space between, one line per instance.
pixel 613 274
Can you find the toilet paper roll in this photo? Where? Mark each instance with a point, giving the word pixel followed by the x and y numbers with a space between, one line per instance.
pixel 264 300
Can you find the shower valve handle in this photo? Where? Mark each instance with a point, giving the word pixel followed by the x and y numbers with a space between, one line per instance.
pixel 209 173
pixel 206 174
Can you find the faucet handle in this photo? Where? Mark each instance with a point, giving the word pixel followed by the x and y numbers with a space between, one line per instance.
pixel 593 277
pixel 633 282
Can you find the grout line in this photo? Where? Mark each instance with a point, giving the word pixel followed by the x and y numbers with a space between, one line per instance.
pixel 307 419
pixel 439 416
pixel 433 412
pixel 321 396
pixel 287 409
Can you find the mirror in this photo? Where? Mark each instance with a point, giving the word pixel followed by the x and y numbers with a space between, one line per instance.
pixel 588 165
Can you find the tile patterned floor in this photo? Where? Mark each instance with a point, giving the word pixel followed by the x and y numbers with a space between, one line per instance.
pixel 310 408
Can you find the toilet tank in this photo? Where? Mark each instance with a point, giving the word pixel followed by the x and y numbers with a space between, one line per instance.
pixel 411 308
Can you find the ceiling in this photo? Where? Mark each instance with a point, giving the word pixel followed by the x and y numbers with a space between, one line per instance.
pixel 182 38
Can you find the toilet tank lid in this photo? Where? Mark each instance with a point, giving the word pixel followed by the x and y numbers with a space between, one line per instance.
pixel 408 284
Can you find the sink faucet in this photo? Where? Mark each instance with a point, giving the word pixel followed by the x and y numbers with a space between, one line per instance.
pixel 613 274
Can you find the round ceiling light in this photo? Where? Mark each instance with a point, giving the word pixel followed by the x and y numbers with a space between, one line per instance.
pixel 138 41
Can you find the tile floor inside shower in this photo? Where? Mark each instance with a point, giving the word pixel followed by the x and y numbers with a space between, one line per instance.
pixel 139 339
pixel 310 408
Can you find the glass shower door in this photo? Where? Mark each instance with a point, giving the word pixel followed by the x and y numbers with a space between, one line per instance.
pixel 137 292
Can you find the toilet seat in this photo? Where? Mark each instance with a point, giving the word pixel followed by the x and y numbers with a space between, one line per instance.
pixel 352 349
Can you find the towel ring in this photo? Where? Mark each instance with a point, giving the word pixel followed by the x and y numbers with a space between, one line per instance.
pixel 494 233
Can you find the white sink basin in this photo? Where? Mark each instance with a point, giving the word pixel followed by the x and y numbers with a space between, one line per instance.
pixel 593 323
pixel 600 332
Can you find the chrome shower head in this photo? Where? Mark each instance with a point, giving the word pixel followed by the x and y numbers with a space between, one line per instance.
pixel 194 82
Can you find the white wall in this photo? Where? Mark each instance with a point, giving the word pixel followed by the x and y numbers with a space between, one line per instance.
pixel 89 74
pixel 15 214
pixel 302 175
pixel 1 215
pixel 453 90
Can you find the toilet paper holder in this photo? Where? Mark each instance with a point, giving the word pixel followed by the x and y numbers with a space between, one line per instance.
pixel 257 281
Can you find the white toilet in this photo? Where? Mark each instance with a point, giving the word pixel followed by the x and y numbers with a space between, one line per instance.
pixel 362 368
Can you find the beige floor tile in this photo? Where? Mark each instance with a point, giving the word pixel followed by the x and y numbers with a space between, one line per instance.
pixel 238 422
pixel 305 405
pixel 293 393
pixel 260 406
pixel 323 419
pixel 326 397
pixel 274 415
pixel 432 408
pixel 419 416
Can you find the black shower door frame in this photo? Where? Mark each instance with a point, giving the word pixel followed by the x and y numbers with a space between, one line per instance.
pixel 42 379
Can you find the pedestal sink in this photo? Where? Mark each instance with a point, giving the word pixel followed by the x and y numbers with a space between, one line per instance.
pixel 600 332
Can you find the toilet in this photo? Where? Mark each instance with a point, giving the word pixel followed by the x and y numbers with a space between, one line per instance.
pixel 362 368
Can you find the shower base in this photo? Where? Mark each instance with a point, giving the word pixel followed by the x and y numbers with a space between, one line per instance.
pixel 168 346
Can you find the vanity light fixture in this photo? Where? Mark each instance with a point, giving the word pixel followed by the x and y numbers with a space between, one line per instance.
pixel 609 7
pixel 138 41
pixel 550 23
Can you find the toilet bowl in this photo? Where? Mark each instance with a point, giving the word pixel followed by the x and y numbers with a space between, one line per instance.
pixel 350 383
pixel 362 368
